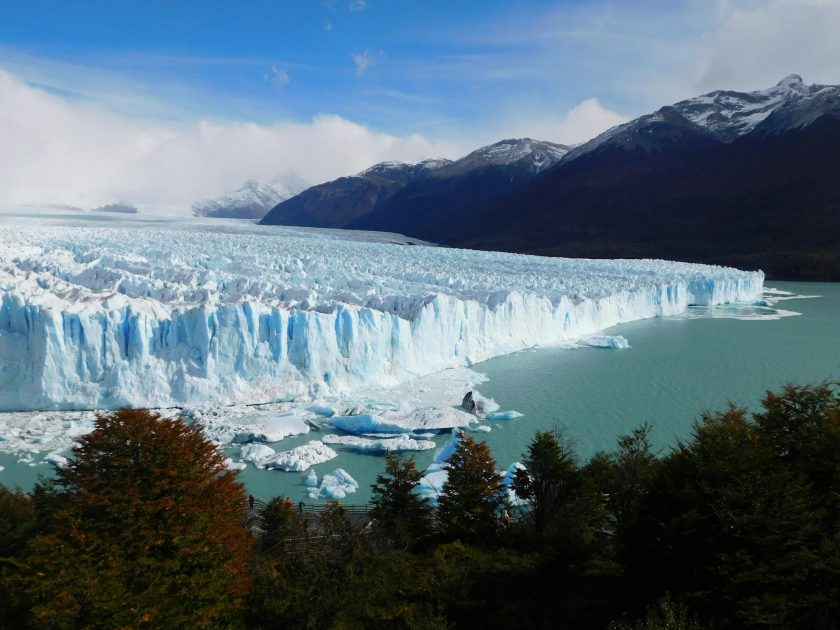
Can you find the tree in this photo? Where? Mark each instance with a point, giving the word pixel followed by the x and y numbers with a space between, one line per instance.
pixel 17 527
pixel 739 533
pixel 473 493
pixel 400 513
pixel 666 615
pixel 549 481
pixel 282 523
pixel 146 530
pixel 801 425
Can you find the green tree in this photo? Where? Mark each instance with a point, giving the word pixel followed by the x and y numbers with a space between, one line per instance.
pixel 550 481
pixel 666 615
pixel 801 425
pixel 473 493
pixel 400 513
pixel 282 524
pixel 739 533
pixel 146 529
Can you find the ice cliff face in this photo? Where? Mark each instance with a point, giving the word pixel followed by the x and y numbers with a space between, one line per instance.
pixel 106 317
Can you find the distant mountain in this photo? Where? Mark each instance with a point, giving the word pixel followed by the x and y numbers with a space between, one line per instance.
pixel 426 194
pixel 252 200
pixel 723 116
pixel 117 208
pixel 742 178
pixel 749 179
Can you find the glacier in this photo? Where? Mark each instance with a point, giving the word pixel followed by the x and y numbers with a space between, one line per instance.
pixel 173 316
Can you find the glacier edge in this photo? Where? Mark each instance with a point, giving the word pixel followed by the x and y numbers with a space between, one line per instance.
pixel 73 337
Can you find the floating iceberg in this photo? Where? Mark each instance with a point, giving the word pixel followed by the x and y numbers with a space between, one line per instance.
pixel 335 485
pixel 57 459
pixel 502 415
pixel 322 410
pixel 380 446
pixel 423 419
pixel 232 465
pixel 615 342
pixel 172 316
pixel 366 423
pixel 256 453
pixel 251 427
pixel 300 458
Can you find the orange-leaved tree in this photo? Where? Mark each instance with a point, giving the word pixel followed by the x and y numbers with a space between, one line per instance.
pixel 144 528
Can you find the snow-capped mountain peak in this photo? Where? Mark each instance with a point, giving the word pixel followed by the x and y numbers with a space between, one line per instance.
pixel 791 81
pixel 538 154
pixel 252 200
pixel 393 170
pixel 725 115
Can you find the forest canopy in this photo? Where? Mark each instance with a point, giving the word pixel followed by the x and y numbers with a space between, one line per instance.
pixel 737 526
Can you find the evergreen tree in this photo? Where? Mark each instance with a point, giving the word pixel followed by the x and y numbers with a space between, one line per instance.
pixel 400 513
pixel 801 425
pixel 473 494
pixel 549 482
pixel 740 534
pixel 145 530
pixel 282 524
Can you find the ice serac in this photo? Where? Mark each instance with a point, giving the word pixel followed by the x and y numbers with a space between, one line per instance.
pixel 138 316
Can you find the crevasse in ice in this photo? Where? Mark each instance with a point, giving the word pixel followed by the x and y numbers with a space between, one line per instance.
pixel 143 316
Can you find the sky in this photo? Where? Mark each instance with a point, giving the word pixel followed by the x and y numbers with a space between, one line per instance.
pixel 161 103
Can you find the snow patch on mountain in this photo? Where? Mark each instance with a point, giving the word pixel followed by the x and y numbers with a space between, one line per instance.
pixel 727 115
pixel 541 155
pixel 252 200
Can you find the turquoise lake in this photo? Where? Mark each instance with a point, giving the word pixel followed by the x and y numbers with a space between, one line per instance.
pixel 674 369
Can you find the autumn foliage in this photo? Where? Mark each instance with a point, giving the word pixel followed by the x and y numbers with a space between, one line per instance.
pixel 145 529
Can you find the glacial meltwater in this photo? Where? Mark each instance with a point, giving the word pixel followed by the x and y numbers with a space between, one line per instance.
pixel 674 369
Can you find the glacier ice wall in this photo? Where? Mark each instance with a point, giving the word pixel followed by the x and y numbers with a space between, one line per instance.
pixel 143 316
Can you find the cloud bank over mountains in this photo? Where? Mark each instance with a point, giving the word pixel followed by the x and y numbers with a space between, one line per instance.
pixel 87 123
pixel 61 150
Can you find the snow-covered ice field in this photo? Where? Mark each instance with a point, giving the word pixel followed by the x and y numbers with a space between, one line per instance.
pixel 214 317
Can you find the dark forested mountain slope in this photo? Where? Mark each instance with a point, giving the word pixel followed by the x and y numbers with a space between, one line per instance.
pixel 765 200
pixel 750 179
pixel 432 191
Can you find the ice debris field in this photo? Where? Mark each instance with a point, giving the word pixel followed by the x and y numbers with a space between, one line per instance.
pixel 368 342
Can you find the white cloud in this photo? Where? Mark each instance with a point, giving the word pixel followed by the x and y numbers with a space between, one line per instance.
pixel 754 44
pixel 63 151
pixel 357 5
pixel 581 123
pixel 363 62
pixel 584 121
pixel 278 76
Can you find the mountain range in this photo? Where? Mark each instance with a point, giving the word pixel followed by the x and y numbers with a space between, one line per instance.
pixel 419 196
pixel 742 178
